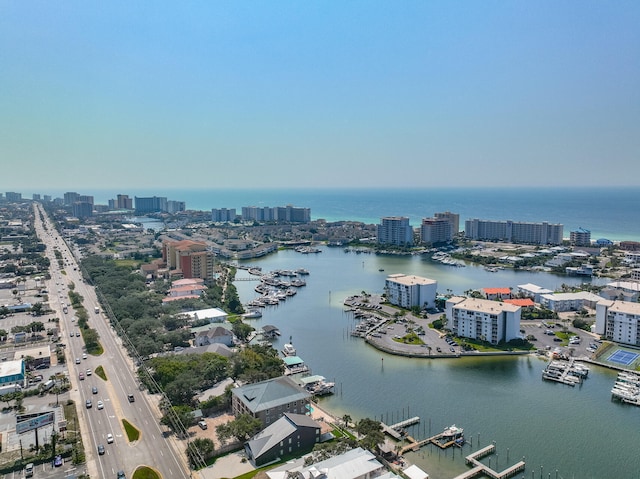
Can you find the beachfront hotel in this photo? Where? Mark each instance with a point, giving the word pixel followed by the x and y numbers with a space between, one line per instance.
pixel 407 291
pixel 513 231
pixel 482 319
pixel 618 321
pixel 395 231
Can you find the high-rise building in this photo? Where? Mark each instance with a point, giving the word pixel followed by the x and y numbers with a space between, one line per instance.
pixel 123 202
pixel 452 218
pixel 47 198
pixel 482 319
pixel 395 230
pixel 154 204
pixel 407 291
pixel 82 209
pixel 514 232
pixel 36 197
pixel 175 206
pixel 70 197
pixel 13 196
pixel 435 230
pixel 221 215
pixel 85 199
pixel 619 321
pixel 580 237
pixel 191 258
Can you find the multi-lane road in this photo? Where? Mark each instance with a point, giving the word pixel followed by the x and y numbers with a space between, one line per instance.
pixel 152 448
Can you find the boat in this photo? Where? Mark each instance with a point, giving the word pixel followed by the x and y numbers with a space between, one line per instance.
pixel 380 269
pixel 302 271
pixel 288 350
pixel 453 433
pixel 253 314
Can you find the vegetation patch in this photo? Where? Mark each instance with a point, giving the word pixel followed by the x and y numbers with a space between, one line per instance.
pixel 133 434
pixel 100 372
pixel 145 472
pixel 409 338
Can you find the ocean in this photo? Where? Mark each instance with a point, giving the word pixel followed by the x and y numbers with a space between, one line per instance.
pixel 612 213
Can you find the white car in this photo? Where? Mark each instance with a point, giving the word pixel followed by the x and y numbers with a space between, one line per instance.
pixel 100 405
pixel 109 438
pixel 88 372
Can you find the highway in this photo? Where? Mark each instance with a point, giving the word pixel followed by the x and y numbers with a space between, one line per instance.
pixel 152 448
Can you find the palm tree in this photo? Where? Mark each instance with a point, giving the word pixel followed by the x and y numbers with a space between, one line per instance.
pixel 346 419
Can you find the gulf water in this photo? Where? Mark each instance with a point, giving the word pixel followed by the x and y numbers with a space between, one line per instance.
pixel 578 432
pixel 612 213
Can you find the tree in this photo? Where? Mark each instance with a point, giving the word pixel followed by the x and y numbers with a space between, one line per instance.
pixel 346 419
pixel 372 432
pixel 177 418
pixel 242 330
pixel 241 428
pixel 198 450
pixel 37 309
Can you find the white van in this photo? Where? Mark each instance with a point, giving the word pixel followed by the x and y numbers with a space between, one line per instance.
pixel 28 470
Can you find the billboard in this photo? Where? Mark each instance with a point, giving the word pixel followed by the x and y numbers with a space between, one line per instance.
pixel 28 422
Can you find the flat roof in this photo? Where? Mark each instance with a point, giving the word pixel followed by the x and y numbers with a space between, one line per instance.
pixel 10 368
pixel 486 306
pixel 410 279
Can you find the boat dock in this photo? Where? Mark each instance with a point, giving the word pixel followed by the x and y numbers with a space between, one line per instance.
pixel 481 469
pixel 395 430
pixel 627 388
pixel 565 372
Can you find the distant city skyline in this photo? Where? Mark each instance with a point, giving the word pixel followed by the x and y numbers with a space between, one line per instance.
pixel 285 94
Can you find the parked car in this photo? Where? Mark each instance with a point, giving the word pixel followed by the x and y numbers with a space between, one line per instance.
pixel 57 462
pixel 202 424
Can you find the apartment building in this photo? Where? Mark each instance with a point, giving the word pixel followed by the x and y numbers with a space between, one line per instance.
pixel 269 400
pixel 483 319
pixel 395 231
pixel 407 291
pixel 514 232
pixel 561 302
pixel 191 258
pixel 580 237
pixel 153 204
pixel 222 215
pixel 619 321
pixel 435 230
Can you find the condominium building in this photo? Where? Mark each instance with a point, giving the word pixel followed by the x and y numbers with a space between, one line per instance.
pixel 514 232
pixel 561 302
pixel 191 258
pixel 407 291
pixel 153 204
pixel 395 231
pixel 619 321
pixel 483 319
pixel 175 206
pixel 452 218
pixel 82 209
pixel 220 215
pixel 70 197
pixel 282 214
pixel 435 230
pixel 580 237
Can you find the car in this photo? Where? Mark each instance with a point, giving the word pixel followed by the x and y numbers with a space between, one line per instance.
pixel 77 334
pixel 77 360
pixel 109 438
pixel 202 424
pixel 88 403
pixel 94 390
pixel 57 462
pixel 121 475
pixel 131 398
pixel 28 470
pixel 81 376
pixel 557 339
pixel 71 334
pixel 42 366
pixel 38 378
pixel 100 405
pixel 88 372
pixel 100 449
pixel 84 355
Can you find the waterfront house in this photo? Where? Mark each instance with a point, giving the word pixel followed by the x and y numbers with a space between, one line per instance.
pixel 496 294
pixel 214 335
pixel 292 434
pixel 269 400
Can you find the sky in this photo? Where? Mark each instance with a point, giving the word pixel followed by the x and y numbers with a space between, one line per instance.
pixel 278 94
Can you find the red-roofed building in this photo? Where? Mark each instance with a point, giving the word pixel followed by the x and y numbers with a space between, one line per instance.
pixel 523 303
pixel 497 293
pixel 191 258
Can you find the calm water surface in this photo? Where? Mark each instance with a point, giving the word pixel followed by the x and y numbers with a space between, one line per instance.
pixel 577 431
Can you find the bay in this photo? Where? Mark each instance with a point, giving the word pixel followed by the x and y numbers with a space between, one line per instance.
pixel 577 431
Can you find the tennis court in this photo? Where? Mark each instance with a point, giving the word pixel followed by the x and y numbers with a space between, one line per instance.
pixel 621 356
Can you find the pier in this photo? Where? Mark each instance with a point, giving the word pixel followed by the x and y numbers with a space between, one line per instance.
pixel 481 469
pixel 564 372
pixel 627 388
pixel 395 430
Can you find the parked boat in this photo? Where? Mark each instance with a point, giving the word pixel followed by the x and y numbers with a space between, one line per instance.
pixel 288 350
pixel 253 314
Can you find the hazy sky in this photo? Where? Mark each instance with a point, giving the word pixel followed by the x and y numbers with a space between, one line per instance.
pixel 132 94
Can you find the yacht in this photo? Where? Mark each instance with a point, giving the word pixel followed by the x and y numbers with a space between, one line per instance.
pixel 288 350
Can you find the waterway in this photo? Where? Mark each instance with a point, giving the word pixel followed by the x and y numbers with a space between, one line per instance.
pixel 578 432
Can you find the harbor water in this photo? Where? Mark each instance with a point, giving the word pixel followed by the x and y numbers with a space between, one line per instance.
pixel 561 431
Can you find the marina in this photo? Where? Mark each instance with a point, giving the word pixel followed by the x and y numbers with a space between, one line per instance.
pixel 565 372
pixel 627 388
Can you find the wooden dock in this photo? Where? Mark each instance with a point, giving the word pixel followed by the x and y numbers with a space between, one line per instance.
pixel 395 429
pixel 481 469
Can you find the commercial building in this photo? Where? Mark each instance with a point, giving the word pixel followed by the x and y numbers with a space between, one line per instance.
pixel 192 259
pixel 580 237
pixel 619 321
pixel 12 372
pixel 269 400
pixel 395 231
pixel 514 232
pixel 483 319
pixel 407 291
pixel 292 434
